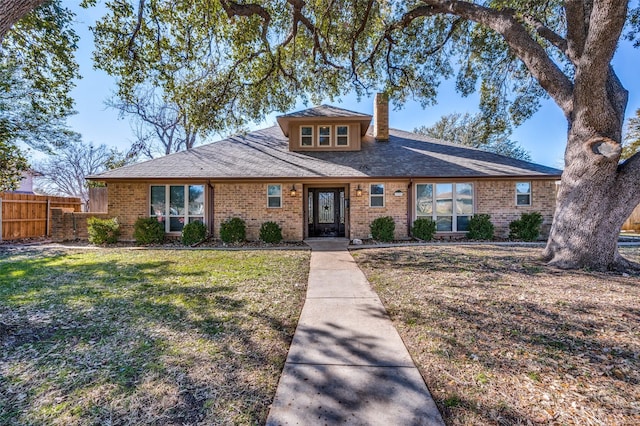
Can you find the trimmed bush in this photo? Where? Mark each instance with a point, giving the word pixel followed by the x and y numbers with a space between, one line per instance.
pixel 424 228
pixel 103 231
pixel 270 232
pixel 527 228
pixel 382 228
pixel 193 232
pixel 480 227
pixel 147 230
pixel 233 230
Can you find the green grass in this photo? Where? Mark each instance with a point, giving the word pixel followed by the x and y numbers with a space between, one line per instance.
pixel 145 336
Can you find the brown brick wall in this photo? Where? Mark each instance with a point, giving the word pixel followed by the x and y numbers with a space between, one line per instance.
pixel 362 215
pixel 67 225
pixel 249 202
pixel 127 202
pixel 497 198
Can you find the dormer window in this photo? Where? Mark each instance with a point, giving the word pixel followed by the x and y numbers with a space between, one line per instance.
pixel 306 136
pixel 342 135
pixel 324 135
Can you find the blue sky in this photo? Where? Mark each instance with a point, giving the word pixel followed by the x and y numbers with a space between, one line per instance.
pixel 544 135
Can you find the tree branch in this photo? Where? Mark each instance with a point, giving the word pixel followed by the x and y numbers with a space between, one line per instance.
pixel 551 36
pixel 550 77
pixel 11 11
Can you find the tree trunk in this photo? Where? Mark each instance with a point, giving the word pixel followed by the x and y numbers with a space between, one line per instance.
pixel 11 11
pixel 591 205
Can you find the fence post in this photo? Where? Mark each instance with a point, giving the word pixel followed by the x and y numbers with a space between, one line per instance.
pixel 0 219
pixel 48 226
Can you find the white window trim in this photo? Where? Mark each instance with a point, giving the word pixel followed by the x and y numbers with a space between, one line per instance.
pixel 434 213
pixel 383 195
pixel 330 135
pixel 524 193
pixel 347 135
pixel 274 196
pixel 167 204
pixel 313 133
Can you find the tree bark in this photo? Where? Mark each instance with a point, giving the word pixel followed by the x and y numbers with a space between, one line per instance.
pixel 11 11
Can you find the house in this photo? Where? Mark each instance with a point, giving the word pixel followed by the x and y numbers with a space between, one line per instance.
pixel 326 171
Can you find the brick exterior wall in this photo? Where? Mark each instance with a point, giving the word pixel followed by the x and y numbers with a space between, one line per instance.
pixel 249 202
pixel 128 201
pixel 362 215
pixel 67 225
pixel 498 198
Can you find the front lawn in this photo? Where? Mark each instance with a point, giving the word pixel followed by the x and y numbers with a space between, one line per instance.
pixel 116 336
pixel 500 338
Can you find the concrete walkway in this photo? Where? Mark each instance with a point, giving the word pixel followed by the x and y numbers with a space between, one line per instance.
pixel 347 364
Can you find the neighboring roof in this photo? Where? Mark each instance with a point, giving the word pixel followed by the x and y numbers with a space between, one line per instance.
pixel 265 154
pixel 323 112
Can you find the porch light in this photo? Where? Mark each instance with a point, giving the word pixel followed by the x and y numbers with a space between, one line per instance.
pixel 398 193
pixel 293 191
pixel 358 191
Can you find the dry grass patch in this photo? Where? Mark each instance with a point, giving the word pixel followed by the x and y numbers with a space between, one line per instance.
pixel 118 336
pixel 501 338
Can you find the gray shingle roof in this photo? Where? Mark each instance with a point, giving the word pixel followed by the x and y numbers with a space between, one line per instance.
pixel 265 154
pixel 325 111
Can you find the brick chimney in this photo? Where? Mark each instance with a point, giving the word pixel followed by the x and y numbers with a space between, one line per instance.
pixel 381 117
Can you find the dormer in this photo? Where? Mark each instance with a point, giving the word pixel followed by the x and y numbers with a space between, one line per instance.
pixel 324 128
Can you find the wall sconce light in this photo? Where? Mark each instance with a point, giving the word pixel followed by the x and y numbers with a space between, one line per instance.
pixel 293 191
pixel 358 191
pixel 398 193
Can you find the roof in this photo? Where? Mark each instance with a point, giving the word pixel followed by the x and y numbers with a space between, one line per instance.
pixel 323 113
pixel 265 154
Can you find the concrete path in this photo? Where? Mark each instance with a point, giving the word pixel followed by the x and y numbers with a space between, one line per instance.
pixel 347 364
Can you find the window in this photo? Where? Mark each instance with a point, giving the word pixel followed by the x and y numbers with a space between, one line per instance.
pixel 306 136
pixel 274 196
pixel 450 205
pixel 376 195
pixel 324 135
pixel 342 135
pixel 523 193
pixel 185 205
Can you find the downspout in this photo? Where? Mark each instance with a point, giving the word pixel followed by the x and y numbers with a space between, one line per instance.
pixel 409 206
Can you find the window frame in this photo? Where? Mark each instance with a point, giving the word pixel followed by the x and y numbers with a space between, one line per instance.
pixel 312 136
pixel 530 194
pixel 454 200
pixel 328 135
pixel 279 196
pixel 372 195
pixel 337 137
pixel 185 216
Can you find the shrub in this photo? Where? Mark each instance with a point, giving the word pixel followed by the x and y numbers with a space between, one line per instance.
pixel 424 228
pixel 382 228
pixel 193 232
pixel 526 228
pixel 147 230
pixel 103 231
pixel 233 230
pixel 270 232
pixel 480 227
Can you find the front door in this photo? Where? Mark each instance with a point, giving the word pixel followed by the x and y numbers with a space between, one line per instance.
pixel 326 212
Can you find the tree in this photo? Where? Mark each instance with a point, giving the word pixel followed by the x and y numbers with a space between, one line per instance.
pixel 64 173
pixel 37 69
pixel 163 127
pixel 468 130
pixel 631 144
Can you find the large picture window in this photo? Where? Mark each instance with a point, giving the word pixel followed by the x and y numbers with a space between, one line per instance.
pixel 177 205
pixel 450 205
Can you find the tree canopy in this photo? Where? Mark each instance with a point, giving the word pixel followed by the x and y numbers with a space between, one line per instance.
pixel 471 130
pixel 631 143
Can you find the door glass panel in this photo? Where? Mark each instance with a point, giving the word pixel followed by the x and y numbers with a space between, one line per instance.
pixel 326 207
pixel 341 207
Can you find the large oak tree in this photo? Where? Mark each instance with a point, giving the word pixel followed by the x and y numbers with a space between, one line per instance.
pixel 229 61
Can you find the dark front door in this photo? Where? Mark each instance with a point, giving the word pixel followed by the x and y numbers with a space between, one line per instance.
pixel 326 212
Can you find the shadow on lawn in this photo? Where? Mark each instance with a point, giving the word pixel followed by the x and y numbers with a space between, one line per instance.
pixel 95 324
pixel 478 315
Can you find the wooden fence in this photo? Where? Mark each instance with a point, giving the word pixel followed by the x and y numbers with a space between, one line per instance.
pixel 633 223
pixel 29 216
